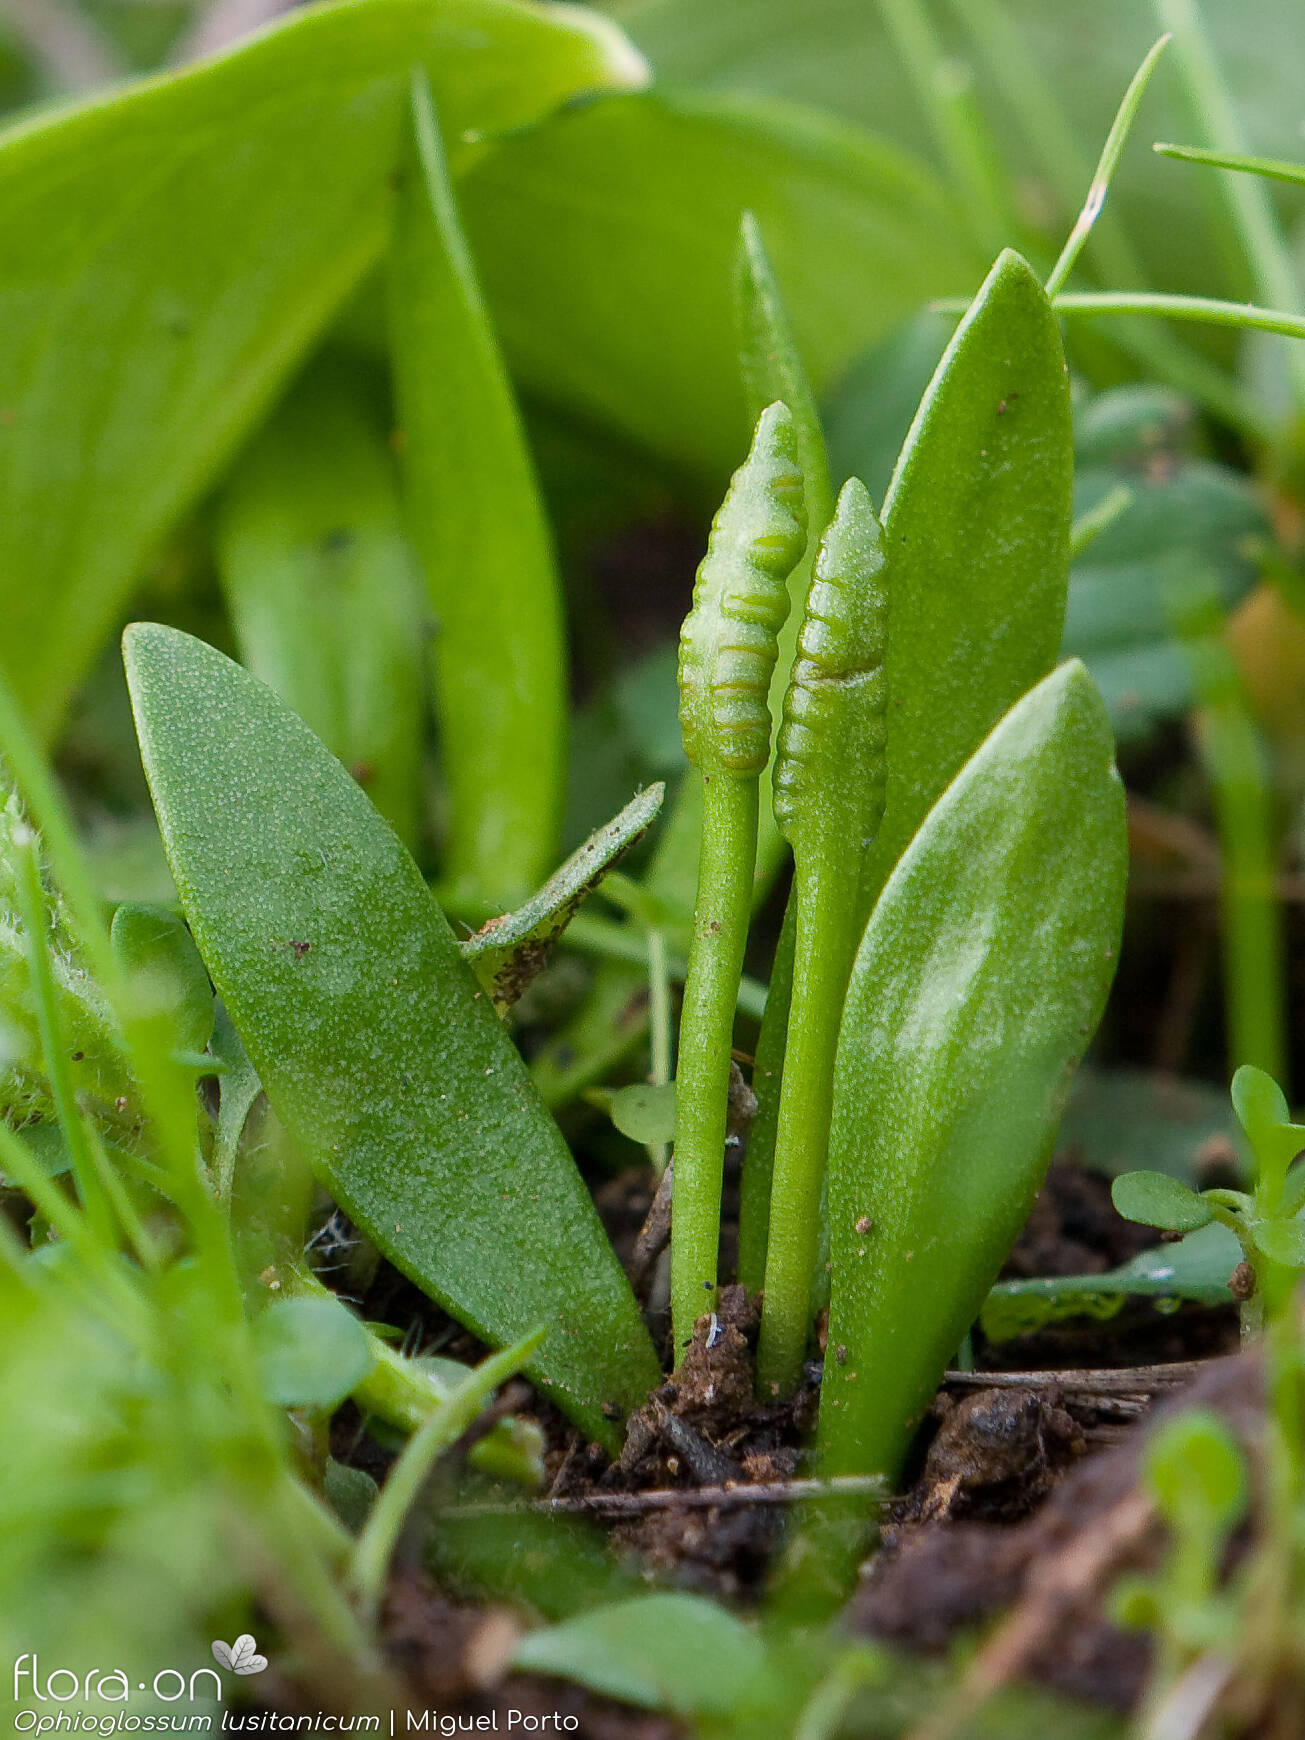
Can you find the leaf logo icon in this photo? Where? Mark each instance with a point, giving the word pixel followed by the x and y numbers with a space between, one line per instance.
pixel 240 1657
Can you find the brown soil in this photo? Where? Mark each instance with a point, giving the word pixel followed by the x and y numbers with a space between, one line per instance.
pixel 1019 1482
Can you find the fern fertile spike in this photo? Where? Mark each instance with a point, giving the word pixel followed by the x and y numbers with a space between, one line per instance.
pixel 728 645
pixel 829 772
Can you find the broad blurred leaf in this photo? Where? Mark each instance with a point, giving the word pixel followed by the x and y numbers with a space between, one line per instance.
pixel 310 1352
pixel 321 583
pixel 1123 1120
pixel 375 1046
pixel 1189 518
pixel 1196 1268
pixel 605 243
pixel 978 984
pixel 172 250
pixel 838 53
pixel 673 1652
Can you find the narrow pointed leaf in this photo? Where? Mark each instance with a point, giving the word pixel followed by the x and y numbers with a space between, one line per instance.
pixel 978 984
pixel 373 1041
pixel 508 952
pixel 478 522
pixel 321 584
pixel 172 250
pixel 976 534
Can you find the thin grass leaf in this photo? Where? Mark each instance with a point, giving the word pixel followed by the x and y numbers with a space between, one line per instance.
pixel 1272 168
pixel 1207 310
pixel 1111 152
pixel 446 1424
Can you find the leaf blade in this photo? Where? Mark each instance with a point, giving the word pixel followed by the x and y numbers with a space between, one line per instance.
pixel 976 532
pixel 478 522
pixel 373 1043
pixel 172 250
pixel 969 1004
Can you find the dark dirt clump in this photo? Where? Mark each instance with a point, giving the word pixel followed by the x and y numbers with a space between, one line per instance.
pixel 996 1455
pixel 705 1428
pixel 937 1578
pixel 1074 1228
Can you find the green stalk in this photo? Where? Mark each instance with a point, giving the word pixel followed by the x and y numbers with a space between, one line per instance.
pixel 767 1079
pixel 829 798
pixel 720 933
pixel 1241 786
pixel 827 906
pixel 728 650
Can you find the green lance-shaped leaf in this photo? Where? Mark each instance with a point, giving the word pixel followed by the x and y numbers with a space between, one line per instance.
pixel 976 524
pixel 321 582
pixel 829 799
pixel 478 522
pixel 376 1047
pixel 727 659
pixel 975 991
pixel 171 251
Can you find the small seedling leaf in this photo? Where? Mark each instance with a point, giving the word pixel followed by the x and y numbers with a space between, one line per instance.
pixel 508 952
pixel 1261 1107
pixel 1196 1268
pixel 1156 1199
pixel 376 1048
pixel 979 981
pixel 678 1653
pixel 1282 1241
pixel 310 1352
pixel 645 1112
pixel 1259 1102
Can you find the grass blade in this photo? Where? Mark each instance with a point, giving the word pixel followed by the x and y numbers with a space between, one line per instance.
pixel 1111 152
